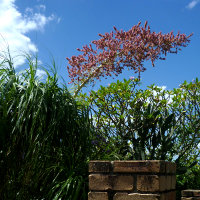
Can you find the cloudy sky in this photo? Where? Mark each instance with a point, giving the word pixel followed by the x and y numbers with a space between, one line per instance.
pixel 55 29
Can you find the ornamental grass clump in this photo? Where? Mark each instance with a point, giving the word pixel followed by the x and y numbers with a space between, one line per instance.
pixel 44 137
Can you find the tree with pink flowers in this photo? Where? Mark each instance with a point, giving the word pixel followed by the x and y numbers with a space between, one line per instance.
pixel 120 49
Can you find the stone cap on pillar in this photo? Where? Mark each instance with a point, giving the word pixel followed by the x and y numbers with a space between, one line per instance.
pixel 132 166
pixel 190 193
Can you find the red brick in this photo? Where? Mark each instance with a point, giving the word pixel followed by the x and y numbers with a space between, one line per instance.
pixel 171 195
pixel 168 196
pixel 136 196
pixel 163 196
pixel 168 182
pixel 97 196
pixel 151 183
pixel 135 166
pixel 173 184
pixel 170 167
pixel 100 166
pixel 162 183
pixel 110 182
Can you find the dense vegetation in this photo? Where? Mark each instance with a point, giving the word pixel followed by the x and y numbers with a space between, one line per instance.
pixel 47 137
pixel 154 123
pixel 44 137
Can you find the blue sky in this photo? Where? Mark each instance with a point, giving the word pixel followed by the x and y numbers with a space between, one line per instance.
pixel 59 27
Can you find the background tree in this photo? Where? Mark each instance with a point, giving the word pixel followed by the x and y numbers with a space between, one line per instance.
pixel 149 124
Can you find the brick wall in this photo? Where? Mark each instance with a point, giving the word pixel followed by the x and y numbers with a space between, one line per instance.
pixel 132 180
pixel 190 195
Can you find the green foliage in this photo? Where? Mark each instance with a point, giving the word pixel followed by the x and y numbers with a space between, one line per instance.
pixel 44 137
pixel 186 106
pixel 189 180
pixel 148 124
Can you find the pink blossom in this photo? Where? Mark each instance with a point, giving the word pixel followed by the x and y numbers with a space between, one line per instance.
pixel 117 50
pixel 131 77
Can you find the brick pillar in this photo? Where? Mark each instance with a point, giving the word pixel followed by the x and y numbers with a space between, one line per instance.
pixel 132 180
pixel 190 195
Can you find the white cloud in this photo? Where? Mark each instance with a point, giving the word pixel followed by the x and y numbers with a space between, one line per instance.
pixel 192 4
pixel 41 7
pixel 40 73
pixel 167 96
pixel 160 87
pixel 15 25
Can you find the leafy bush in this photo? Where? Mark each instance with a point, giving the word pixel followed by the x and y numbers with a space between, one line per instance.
pixel 148 124
pixel 44 137
pixel 189 180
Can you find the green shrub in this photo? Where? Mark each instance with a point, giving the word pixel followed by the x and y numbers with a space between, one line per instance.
pixel 148 124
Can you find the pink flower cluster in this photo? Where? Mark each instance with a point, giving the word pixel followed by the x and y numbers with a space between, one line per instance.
pixel 119 49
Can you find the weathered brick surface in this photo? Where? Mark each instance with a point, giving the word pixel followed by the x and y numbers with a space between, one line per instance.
pixel 168 182
pixel 162 183
pixel 139 166
pixel 173 183
pixel 155 183
pixel 190 193
pixel 110 182
pixel 172 195
pixel 170 167
pixel 100 166
pixel 149 183
pixel 163 196
pixel 97 196
pixel 135 196
pixel 168 196
pixel 133 180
